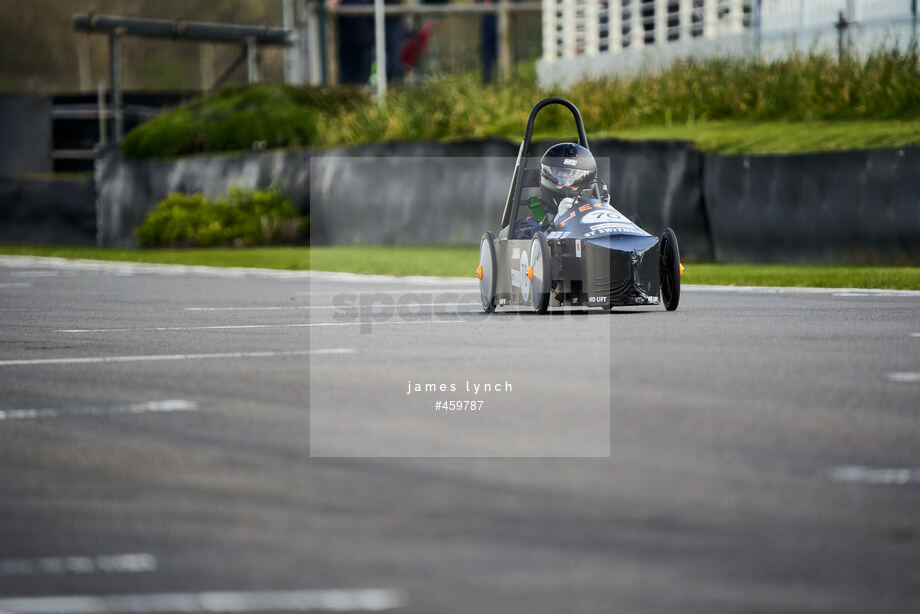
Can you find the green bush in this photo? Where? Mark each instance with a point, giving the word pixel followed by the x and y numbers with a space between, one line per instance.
pixel 260 116
pixel 801 87
pixel 243 218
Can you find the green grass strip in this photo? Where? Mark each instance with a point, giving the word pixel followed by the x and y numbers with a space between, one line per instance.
pixel 461 262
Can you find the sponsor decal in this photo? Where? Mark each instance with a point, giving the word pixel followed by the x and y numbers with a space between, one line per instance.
pixel 515 253
pixel 597 299
pixel 578 248
pixel 570 162
pixel 501 301
pixel 515 278
pixel 599 216
pixel 615 229
pixel 558 234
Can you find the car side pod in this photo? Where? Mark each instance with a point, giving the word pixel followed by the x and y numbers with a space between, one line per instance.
pixel 669 269
pixel 486 271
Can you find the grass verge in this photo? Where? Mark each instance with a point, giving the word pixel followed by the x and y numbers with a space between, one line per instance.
pixel 778 137
pixel 460 261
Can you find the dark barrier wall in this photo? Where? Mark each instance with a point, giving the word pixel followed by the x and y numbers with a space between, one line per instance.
pixel 25 135
pixel 129 189
pixel 658 184
pixel 409 193
pixel 858 206
pixel 61 212
pixel 839 207
pixel 406 193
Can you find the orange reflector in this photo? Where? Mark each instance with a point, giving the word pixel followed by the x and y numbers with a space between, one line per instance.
pixel 681 268
pixel 479 271
pixel 530 273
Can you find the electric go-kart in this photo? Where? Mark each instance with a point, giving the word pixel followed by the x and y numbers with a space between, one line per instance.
pixel 593 257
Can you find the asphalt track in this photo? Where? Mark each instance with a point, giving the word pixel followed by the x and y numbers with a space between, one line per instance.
pixel 756 451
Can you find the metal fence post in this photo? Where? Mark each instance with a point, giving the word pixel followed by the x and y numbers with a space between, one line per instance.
pixel 100 106
pixel 252 64
pixel 380 44
pixel 503 23
pixel 115 65
pixel 913 17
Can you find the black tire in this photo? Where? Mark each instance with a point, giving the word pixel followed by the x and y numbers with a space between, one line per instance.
pixel 669 269
pixel 541 283
pixel 489 266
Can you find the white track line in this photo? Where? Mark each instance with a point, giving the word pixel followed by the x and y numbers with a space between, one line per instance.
pixel 135 562
pixel 335 600
pixel 915 334
pixel 798 290
pixel 134 408
pixel 35 273
pixel 874 475
pixel 277 308
pixel 16 284
pixel 131 268
pixel 394 292
pixel 159 329
pixel 903 376
pixel 157 357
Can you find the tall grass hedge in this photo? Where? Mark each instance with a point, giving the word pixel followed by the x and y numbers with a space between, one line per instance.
pixel 884 85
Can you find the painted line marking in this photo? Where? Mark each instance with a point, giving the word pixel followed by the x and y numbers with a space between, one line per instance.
pixel 16 284
pixel 138 562
pixel 375 323
pixel 277 308
pixel 335 600
pixel 35 273
pixel 156 357
pixel 419 290
pixel 874 475
pixel 915 334
pixel 866 293
pixel 168 405
pixel 241 326
pixel 903 376
pixel 797 290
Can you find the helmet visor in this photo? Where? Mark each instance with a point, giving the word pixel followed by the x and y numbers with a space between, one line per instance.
pixel 563 177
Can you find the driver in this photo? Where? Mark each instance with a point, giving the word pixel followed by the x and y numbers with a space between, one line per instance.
pixel 566 171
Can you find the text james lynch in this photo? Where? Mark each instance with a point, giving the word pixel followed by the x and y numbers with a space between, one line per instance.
pixel 468 386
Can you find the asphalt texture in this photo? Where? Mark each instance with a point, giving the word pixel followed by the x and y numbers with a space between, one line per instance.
pixel 755 451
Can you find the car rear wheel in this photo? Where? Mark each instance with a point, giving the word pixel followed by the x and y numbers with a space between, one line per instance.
pixel 486 271
pixel 669 269
pixel 539 272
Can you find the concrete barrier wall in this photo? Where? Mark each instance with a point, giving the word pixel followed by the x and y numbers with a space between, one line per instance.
pixel 840 207
pixel 47 212
pixel 25 135
pixel 857 206
pixel 404 193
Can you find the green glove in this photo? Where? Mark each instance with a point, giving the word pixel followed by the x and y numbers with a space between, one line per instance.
pixel 536 208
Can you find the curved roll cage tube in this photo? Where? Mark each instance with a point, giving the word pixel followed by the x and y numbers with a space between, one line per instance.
pixel 514 193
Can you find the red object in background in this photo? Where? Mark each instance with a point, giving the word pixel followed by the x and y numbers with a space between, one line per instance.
pixel 414 48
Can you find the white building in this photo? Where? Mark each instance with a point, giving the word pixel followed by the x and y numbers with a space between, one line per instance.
pixel 598 38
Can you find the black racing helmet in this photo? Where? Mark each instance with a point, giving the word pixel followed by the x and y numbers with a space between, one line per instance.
pixel 566 170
